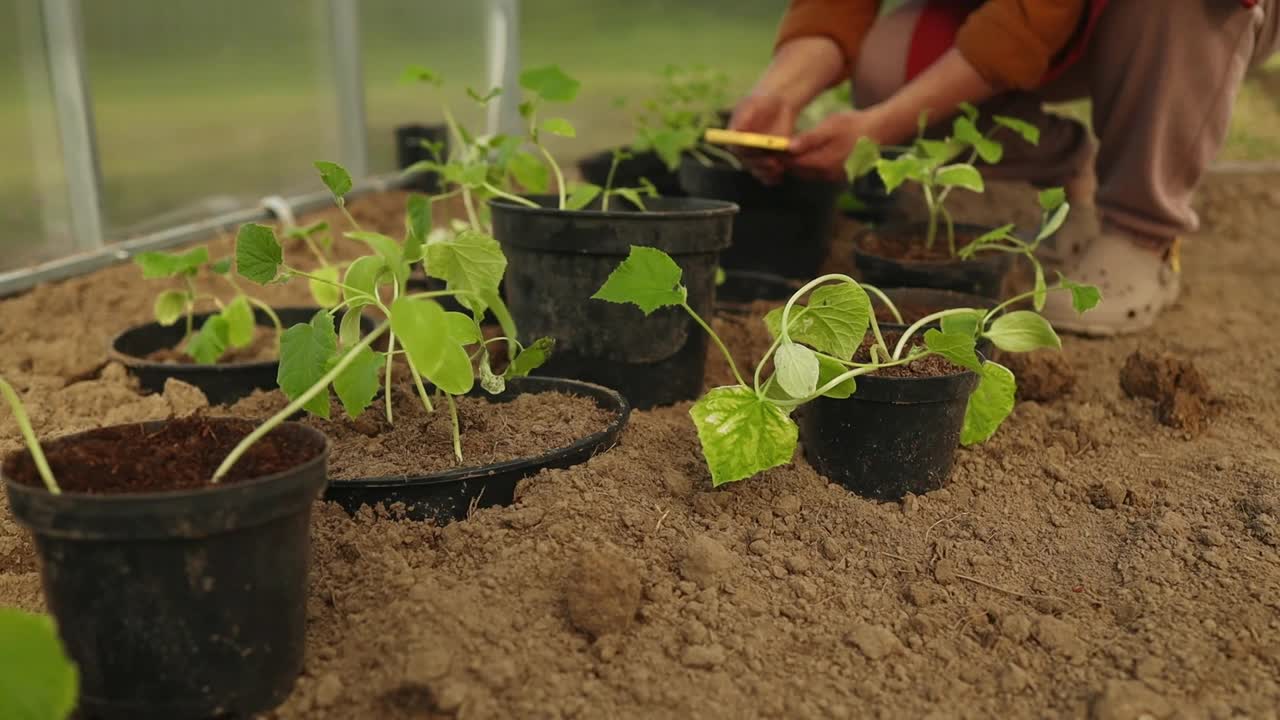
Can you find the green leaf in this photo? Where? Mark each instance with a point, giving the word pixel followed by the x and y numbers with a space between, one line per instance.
pixel 899 170
pixel 492 383
pixel 631 195
pixel 306 354
pixel 1022 331
pixel 742 435
pixel 1052 198
pixel 462 329
pixel 221 267
pixel 240 322
pixel 968 110
pixel 358 383
pixel 485 98
pixel 531 358
pixel 349 330
pixel 965 323
pixel 1040 290
pixel 956 347
pixel 582 195
pixel 418 223
pixel 335 177
pixel 834 322
pixel 530 172
pixel 963 176
pixel 325 294
pixel 1024 129
pixel 170 306
pixel 863 158
pixel 989 404
pixel 165 265
pixel 1054 222
pixel 559 126
pixel 384 245
pixel 965 130
pixel 721 276
pixel 549 83
pixel 829 370
pixel 940 151
pixel 364 275
pixel 37 679
pixel 423 329
pixel 468 261
pixel 258 253
pixel 648 278
pixel 418 73
pixel 796 369
pixel 207 345
pixel 1083 297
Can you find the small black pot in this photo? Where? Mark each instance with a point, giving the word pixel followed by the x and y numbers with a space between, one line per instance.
pixel 782 229
pixel 647 165
pixel 221 383
pixel 559 259
pixel 185 604
pixel 869 201
pixel 983 275
pixel 741 288
pixel 449 495
pixel 409 150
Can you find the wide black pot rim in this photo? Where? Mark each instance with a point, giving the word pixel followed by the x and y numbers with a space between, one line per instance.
pixel 260 491
pixel 133 361
pixel 994 260
pixel 609 398
pixel 696 208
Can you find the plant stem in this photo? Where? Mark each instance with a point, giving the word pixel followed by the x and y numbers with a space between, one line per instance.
pixel 472 217
pixel 555 168
pixel 270 313
pixel 386 383
pixel 515 198
pixel 951 228
pixel 274 421
pixel 724 155
pixel 342 205
pixel 457 432
pixel 902 341
pixel 932 233
pixel 608 182
pixel 884 299
pixel 29 436
pixel 417 381
pixel 716 339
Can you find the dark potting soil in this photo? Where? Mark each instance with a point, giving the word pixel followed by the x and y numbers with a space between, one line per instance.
pixel 262 349
pixel 181 455
pixel 910 313
pixel 420 443
pixel 931 366
pixel 912 248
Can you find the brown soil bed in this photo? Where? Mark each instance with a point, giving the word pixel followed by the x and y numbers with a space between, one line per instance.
pixel 1088 561
pixel 262 349
pixel 911 247
pixel 181 454
pixel 420 443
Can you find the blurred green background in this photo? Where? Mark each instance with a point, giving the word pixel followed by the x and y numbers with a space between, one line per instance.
pixel 203 107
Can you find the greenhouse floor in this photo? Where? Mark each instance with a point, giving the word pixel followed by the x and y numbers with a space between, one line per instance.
pixel 1091 560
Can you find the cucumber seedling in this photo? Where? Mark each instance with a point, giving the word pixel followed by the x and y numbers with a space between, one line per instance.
pixel 672 122
pixel 446 349
pixel 747 428
pixel 232 326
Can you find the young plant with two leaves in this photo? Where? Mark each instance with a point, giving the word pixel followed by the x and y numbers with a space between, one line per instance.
pixel 443 348
pixel 747 428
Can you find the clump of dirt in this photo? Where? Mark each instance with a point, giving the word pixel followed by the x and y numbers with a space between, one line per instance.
pixel 1182 395
pixel 261 349
pixel 603 591
pixel 420 442
pixel 1043 375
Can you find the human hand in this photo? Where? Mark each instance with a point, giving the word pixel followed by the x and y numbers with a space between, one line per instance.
pixel 768 114
pixel 820 153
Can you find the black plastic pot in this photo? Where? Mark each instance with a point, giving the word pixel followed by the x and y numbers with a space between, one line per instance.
pixel 867 200
pixel 741 288
pixel 447 496
pixel 983 275
pixel 892 437
pixel 647 165
pixel 186 604
pixel 221 383
pixel 782 229
pixel 409 150
pixel 558 259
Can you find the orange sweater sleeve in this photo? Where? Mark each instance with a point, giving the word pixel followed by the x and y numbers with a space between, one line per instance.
pixel 844 21
pixel 1011 43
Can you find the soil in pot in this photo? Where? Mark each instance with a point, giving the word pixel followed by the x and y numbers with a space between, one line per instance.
pixel 558 259
pixel 897 434
pixel 538 423
pixel 176 598
pixel 782 229
pixel 894 255
pixel 646 165
pixel 410 150
pixel 150 353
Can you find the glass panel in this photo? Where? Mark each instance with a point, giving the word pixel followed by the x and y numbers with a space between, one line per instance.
pixel 35 222
pixel 203 107
pixel 448 37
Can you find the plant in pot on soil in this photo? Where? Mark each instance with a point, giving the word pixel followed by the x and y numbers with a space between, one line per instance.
pixel 936 253
pixel 178 592
pixel 442 349
pixel 885 411
pixel 563 245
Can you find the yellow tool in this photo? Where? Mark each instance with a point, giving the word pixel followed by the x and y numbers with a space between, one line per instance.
pixel 758 141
